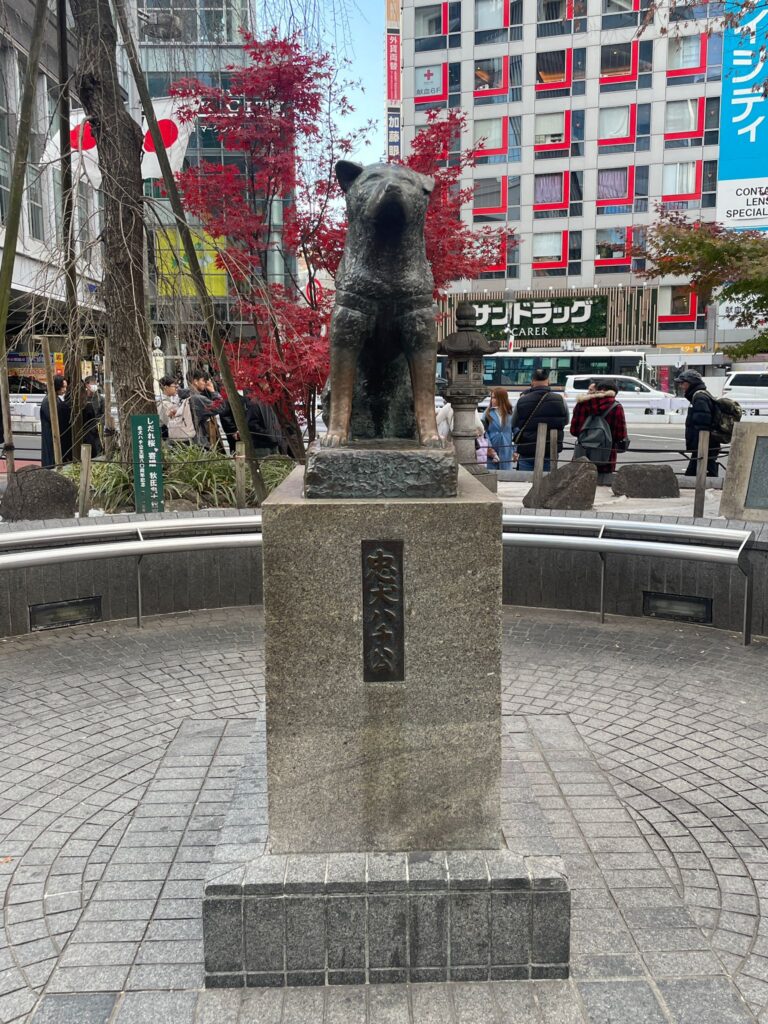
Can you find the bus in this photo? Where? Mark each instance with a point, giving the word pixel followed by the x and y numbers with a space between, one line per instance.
pixel 513 370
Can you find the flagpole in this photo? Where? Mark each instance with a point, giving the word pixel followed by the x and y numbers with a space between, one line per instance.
pixel 67 225
pixel 236 407
pixel 15 197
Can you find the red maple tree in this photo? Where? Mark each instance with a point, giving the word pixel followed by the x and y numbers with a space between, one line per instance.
pixel 275 198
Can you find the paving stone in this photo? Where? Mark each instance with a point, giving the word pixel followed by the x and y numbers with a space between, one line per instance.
pixel 157 1008
pixel 704 1001
pixel 623 1002
pixel 93 1008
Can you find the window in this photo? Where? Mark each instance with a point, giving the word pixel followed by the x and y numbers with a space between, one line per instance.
pixel 429 21
pixel 516 78
pixel 429 82
pixel 681 116
pixel 513 197
pixel 5 145
pixel 548 188
pixel 489 74
pixel 683 52
pixel 35 206
pixel 489 14
pixel 680 300
pixel 611 244
pixel 487 194
pixel 552 68
pixel 709 183
pixel 712 121
pixel 617 59
pixel 614 123
pixel 549 129
pixel 612 183
pixel 547 247
pixel 489 135
pixel 515 139
pixel 551 10
pixel 681 179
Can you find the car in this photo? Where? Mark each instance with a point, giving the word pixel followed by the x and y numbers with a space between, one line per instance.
pixel 634 394
pixel 741 385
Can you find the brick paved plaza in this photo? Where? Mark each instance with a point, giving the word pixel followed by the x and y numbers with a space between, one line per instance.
pixel 645 743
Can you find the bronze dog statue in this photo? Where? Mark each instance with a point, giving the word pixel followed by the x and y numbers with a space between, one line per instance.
pixel 383 310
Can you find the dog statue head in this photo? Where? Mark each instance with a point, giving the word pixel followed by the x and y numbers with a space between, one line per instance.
pixel 390 198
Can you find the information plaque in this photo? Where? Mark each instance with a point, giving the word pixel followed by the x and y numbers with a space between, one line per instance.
pixel 383 615
pixel 147 463
pixel 757 488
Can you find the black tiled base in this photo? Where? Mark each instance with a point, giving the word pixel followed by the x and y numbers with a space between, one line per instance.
pixel 342 919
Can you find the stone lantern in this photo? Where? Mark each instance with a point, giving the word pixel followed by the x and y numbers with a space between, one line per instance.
pixel 465 348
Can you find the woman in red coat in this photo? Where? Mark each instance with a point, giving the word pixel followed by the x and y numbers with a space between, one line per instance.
pixel 600 400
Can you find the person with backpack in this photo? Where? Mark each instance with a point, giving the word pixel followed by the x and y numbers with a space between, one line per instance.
pixel 717 415
pixel 539 404
pixel 176 421
pixel 600 428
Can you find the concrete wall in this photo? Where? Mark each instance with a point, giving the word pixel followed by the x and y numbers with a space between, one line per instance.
pixel 534 578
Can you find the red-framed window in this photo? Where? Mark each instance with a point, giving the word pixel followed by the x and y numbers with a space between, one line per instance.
pixel 564 143
pixel 617 200
pixel 688 185
pixel 562 64
pixel 501 264
pixel 623 121
pixel 497 143
pixel 431 76
pixel 503 199
pixel 550 261
pixel 680 42
pixel 552 190
pixel 500 90
pixel 677 298
pixel 626 70
pixel 698 128
pixel 617 258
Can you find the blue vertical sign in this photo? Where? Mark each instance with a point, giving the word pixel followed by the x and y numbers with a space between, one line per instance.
pixel 742 172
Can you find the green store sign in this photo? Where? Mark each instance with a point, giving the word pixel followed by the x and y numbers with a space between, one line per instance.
pixel 557 318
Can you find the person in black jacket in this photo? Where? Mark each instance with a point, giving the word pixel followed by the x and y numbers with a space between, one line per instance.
pixel 540 404
pixel 701 416
pixel 63 412
pixel 92 416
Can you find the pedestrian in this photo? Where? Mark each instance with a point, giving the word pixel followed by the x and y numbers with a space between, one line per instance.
pixel 498 426
pixel 444 420
pixel 176 421
pixel 481 445
pixel 63 415
pixel 92 415
pixel 204 401
pixel 700 416
pixel 264 427
pixel 600 427
pixel 539 404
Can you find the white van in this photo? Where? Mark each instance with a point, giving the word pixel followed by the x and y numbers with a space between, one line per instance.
pixel 637 398
pixel 741 385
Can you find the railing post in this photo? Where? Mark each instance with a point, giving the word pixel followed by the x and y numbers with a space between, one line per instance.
pixel 240 474
pixel 138 591
pixel 538 462
pixel 747 620
pixel 84 491
pixel 553 453
pixel 701 474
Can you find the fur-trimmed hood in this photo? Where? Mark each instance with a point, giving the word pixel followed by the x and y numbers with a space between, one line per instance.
pixel 595 394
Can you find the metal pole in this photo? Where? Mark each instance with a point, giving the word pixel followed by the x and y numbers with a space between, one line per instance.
pixel 84 491
pixel 53 402
pixel 747 621
pixel 538 462
pixel 553 453
pixel 13 217
pixel 240 474
pixel 701 474
pixel 138 591
pixel 602 586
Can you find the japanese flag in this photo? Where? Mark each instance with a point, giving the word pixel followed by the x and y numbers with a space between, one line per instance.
pixel 175 134
pixel 85 162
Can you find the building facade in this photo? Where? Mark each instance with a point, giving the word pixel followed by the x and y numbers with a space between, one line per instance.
pixel 587 116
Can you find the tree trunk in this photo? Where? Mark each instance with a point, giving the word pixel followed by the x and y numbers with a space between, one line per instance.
pixel 119 142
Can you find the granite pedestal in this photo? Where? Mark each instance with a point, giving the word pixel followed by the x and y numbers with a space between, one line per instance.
pixel 380 469
pixel 385 859
pixel 745 491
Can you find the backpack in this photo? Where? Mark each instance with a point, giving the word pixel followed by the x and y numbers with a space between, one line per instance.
pixel 725 414
pixel 181 427
pixel 595 439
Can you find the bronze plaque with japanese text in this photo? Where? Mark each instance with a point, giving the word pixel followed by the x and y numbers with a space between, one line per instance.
pixel 383 618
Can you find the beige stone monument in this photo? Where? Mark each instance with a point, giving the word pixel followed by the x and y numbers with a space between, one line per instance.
pixel 745 490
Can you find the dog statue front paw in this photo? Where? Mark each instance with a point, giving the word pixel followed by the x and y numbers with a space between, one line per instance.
pixel 432 441
pixel 333 439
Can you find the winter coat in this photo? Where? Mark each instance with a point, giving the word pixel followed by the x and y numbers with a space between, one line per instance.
pixel 597 404
pixel 701 416
pixel 93 412
pixel 64 411
pixel 500 439
pixel 204 405
pixel 535 406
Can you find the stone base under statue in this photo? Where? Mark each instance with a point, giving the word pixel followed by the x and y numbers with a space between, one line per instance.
pixel 357 918
pixel 396 468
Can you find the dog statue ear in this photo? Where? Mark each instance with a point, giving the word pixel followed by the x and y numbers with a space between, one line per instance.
pixel 427 183
pixel 347 172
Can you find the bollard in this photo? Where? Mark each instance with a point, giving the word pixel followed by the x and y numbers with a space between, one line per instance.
pixel 538 462
pixel 84 490
pixel 701 474
pixel 553 453
pixel 240 474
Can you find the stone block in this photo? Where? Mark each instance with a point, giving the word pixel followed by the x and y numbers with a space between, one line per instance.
pixel 637 480
pixel 380 469
pixel 571 486
pixel 745 491
pixel 415 763
pixel 35 493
